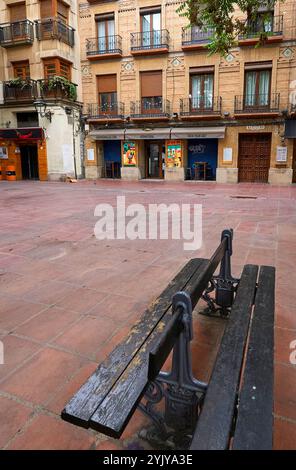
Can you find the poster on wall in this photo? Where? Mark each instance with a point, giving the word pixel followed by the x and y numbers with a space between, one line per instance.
pixel 129 154
pixel 68 159
pixel 281 154
pixel 174 154
pixel 227 155
pixel 3 152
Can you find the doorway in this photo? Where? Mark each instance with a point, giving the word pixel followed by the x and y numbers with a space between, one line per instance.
pixel 254 158
pixel 155 159
pixel 294 162
pixel 29 161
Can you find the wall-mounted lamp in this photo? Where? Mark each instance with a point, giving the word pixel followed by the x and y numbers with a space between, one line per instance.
pixel 40 107
pixel 175 115
pixel 226 114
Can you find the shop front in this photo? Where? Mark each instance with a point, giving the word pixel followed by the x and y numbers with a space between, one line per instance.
pixel 23 154
pixel 172 154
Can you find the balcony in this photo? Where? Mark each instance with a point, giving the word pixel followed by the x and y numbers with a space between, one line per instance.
pixel 195 38
pixel 107 47
pixel 54 28
pixel 201 108
pixel 150 42
pixel 150 109
pixel 257 105
pixel 57 88
pixel 17 33
pixel 269 29
pixel 112 112
pixel 19 91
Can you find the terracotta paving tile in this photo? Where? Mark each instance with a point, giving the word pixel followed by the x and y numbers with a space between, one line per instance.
pixel 50 292
pixel 14 312
pixel 87 336
pixel 56 434
pixel 16 351
pixel 284 435
pixel 38 379
pixel 81 300
pixel 285 391
pixel 48 324
pixel 283 344
pixel 13 416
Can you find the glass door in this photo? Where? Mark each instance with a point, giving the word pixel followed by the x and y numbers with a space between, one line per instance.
pixel 155 159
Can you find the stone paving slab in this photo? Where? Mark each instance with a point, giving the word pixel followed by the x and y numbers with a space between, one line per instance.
pixel 67 299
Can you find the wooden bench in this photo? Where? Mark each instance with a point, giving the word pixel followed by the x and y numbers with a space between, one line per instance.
pixel 235 408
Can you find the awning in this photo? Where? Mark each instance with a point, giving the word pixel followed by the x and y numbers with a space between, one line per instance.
pixel 159 133
pixel 198 133
pixel 108 134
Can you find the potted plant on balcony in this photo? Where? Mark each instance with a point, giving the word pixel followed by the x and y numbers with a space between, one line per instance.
pixel 60 86
pixel 17 83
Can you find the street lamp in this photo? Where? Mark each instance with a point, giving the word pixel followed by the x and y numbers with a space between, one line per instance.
pixel 40 107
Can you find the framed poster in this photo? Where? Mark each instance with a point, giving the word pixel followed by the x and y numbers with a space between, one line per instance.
pixel 174 154
pixel 227 155
pixel 91 155
pixel 129 155
pixel 3 152
pixel 281 154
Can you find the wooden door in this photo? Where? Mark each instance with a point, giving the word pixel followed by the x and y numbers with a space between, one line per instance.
pixel 254 158
pixel 294 162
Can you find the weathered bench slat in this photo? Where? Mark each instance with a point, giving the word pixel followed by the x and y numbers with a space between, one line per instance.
pixel 214 423
pixel 84 403
pixel 113 413
pixel 254 424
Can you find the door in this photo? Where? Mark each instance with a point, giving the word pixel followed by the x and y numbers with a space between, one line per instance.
pixel 151 29
pixel 254 158
pixel 105 34
pixel 155 159
pixel 294 162
pixel 29 161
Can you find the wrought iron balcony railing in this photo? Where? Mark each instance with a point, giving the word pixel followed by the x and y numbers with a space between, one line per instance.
pixel 51 88
pixel 54 28
pixel 104 45
pixel 19 32
pixel 261 103
pixel 150 107
pixel 265 24
pixel 110 111
pixel 196 36
pixel 150 40
pixel 201 105
pixel 16 90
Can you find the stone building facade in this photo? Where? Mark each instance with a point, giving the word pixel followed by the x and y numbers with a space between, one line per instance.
pixel 40 114
pixel 156 105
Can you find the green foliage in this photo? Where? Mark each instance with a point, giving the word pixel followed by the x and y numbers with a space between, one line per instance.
pixel 62 84
pixel 17 83
pixel 220 16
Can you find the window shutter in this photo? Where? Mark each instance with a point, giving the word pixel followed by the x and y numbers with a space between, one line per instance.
pixel 151 84
pixel 46 9
pixel 107 83
pixel 17 12
pixel 21 69
pixel 62 11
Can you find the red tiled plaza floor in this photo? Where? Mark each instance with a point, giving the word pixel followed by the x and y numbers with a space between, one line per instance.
pixel 67 299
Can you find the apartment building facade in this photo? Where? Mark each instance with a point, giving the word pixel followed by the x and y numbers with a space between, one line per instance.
pixel 40 90
pixel 158 106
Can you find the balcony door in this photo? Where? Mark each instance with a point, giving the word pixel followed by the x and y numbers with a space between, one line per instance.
pixel 151 93
pixel 151 29
pixel 202 86
pixel 18 28
pixel 106 33
pixel 257 88
pixel 107 94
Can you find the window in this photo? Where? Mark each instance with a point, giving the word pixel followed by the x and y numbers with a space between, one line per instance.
pixel 57 67
pixel 21 69
pixel 46 9
pixel 17 12
pixel 263 22
pixel 201 89
pixel 107 94
pixel 62 11
pixel 257 86
pixel 105 32
pixel 151 27
pixel 151 91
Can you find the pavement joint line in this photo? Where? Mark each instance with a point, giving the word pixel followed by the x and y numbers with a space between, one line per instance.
pixel 284 418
